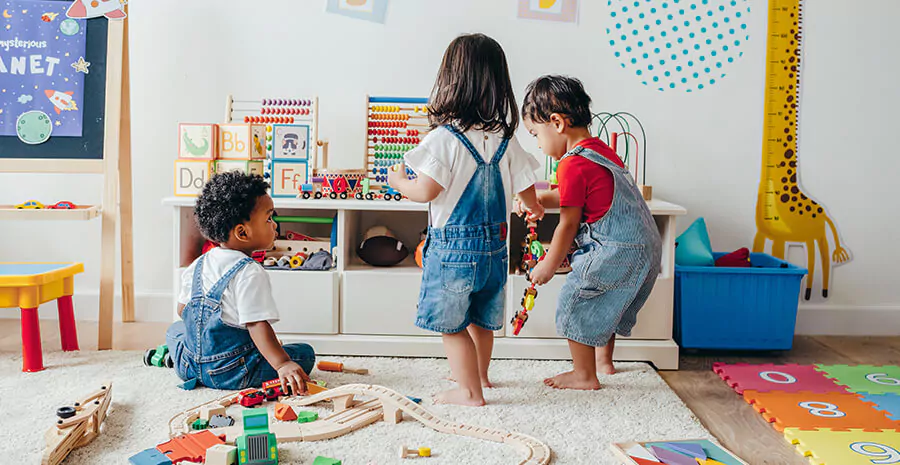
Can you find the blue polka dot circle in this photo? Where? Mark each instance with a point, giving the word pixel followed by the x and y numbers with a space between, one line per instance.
pixel 678 44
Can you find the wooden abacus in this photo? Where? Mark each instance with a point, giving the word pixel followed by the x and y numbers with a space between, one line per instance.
pixel 394 126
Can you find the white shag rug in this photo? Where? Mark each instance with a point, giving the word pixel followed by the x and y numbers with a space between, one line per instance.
pixel 635 404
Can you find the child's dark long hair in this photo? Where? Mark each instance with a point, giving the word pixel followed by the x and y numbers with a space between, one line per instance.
pixel 472 89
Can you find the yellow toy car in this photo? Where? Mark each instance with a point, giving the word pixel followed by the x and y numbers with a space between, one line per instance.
pixel 30 205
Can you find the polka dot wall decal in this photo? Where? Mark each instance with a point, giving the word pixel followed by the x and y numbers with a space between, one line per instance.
pixel 692 30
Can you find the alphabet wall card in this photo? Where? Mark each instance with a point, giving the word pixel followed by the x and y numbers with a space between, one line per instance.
pixel 369 10
pixel 42 65
pixel 565 11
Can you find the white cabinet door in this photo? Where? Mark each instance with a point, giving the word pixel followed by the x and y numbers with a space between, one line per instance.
pixel 381 301
pixel 307 301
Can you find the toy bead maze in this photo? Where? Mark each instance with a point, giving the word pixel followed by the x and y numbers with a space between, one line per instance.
pixel 833 414
pixel 395 125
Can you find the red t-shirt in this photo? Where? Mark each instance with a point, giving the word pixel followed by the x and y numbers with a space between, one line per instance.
pixel 585 184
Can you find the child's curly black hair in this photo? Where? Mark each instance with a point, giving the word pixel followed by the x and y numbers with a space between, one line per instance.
pixel 226 201
pixel 557 94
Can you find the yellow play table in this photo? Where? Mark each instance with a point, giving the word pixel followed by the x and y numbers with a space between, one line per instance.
pixel 27 286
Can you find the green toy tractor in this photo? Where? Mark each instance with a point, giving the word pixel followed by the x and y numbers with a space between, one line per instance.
pixel 159 357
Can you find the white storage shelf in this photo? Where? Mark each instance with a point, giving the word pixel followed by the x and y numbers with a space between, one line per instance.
pixel 358 309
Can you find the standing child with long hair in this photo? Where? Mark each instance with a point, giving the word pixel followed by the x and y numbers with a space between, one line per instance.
pixel 469 168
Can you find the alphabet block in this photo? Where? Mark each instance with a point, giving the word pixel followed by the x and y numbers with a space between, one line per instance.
pixel 191 175
pixel 289 142
pixel 244 166
pixel 242 141
pixel 197 141
pixel 286 177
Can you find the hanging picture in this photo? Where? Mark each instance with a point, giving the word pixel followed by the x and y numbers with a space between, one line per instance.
pixel 42 66
pixel 369 10
pixel 565 11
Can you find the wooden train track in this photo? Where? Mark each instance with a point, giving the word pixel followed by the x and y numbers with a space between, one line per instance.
pixel 78 430
pixel 351 414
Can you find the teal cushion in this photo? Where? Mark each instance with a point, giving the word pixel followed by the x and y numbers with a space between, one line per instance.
pixel 692 247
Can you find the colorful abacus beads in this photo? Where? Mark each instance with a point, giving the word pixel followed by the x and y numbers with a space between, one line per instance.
pixel 389 116
pixel 397 140
pixel 287 102
pixel 285 111
pixel 269 119
pixel 385 108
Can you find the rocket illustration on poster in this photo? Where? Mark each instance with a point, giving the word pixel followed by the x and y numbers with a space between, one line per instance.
pixel 42 66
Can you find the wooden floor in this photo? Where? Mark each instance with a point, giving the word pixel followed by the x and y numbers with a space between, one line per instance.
pixel 721 410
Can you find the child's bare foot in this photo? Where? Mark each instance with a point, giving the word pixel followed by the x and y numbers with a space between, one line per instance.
pixel 574 380
pixel 458 396
pixel 606 369
pixel 485 382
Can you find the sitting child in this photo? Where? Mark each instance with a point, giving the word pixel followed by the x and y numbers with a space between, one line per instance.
pixel 226 340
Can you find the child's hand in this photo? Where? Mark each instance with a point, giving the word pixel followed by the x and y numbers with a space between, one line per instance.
pixel 542 273
pixel 536 213
pixel 397 174
pixel 293 376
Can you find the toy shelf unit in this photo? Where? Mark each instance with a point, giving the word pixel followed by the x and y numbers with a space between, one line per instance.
pixel 359 309
pixel 395 125
pixel 307 299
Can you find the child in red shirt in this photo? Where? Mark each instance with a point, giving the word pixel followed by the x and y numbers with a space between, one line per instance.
pixel 618 248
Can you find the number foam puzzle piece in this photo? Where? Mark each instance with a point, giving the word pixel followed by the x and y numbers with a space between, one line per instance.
pixel 888 403
pixel 771 377
pixel 866 379
pixel 808 410
pixel 852 447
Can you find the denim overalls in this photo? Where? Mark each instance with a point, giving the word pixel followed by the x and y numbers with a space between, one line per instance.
pixel 614 267
pixel 466 262
pixel 220 355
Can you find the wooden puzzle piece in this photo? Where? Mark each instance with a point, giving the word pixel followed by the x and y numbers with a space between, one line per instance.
pixel 866 379
pixel 639 451
pixel 770 377
pixel 713 451
pixel 807 410
pixel 671 458
pixel 888 403
pixel 686 448
pixel 851 447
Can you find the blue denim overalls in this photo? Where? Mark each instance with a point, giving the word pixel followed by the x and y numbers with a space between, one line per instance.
pixel 220 355
pixel 466 262
pixel 614 267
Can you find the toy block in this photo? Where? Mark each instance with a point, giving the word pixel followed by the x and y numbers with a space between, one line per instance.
pixel 888 403
pixel 189 447
pixel 242 142
pixel 289 142
pixel 191 175
pixel 307 417
pixel 197 141
pixel 221 454
pixel 406 452
pixel 149 457
pixel 340 368
pixel 672 458
pixel 807 410
pixel 199 424
pixel 286 177
pixel 326 461
pixel 220 421
pixel 864 379
pixel 284 247
pixel 209 411
pixel 284 412
pixel 243 166
pixel 771 377
pixel 854 446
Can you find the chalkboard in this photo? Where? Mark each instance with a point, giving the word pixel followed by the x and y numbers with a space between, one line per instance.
pixel 90 145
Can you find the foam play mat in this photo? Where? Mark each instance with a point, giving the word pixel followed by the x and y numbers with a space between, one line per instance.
pixel 832 414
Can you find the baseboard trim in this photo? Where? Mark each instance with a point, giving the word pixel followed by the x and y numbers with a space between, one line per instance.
pixel 836 320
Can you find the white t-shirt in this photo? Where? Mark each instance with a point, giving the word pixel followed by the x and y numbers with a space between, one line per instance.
pixel 246 299
pixel 442 157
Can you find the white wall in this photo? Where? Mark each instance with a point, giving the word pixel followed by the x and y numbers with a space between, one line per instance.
pixel 704 147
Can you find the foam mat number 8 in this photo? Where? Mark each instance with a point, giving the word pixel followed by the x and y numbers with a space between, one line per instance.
pixel 883 379
pixel 873 449
pixel 830 409
pixel 767 375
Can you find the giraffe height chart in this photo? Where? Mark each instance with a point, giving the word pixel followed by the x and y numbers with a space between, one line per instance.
pixel 784 212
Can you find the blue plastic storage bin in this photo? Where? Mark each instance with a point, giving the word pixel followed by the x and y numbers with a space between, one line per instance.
pixel 737 308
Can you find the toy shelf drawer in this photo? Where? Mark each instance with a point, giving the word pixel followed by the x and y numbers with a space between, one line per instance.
pixel 307 301
pixel 381 301
pixel 654 319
